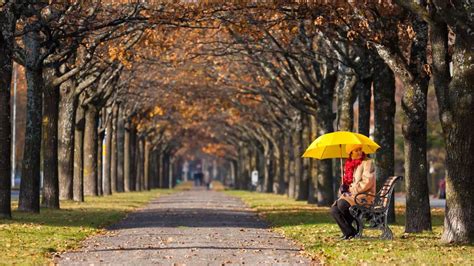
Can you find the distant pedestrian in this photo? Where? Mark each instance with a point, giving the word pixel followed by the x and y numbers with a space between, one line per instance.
pixel 198 176
pixel 442 188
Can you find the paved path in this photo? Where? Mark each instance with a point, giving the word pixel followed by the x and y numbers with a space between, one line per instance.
pixel 194 228
pixel 434 202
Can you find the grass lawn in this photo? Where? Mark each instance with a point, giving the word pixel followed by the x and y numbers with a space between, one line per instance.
pixel 314 228
pixel 33 238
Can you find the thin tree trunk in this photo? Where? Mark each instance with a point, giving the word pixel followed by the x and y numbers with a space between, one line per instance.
pixel 90 151
pixel 67 114
pixel 313 179
pixel 120 151
pixel 291 166
pixel 281 164
pixel 108 150
pixel 126 160
pixel 303 193
pixel 301 188
pixel 139 165
pixel 113 151
pixel 30 182
pixel 50 148
pixel 100 163
pixel 161 170
pixel 146 165
pixel 133 157
pixel 78 187
pixel 7 32
pixel 384 135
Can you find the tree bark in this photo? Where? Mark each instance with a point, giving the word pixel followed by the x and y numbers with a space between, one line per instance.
pixel 90 151
pixel 363 88
pixel 325 119
pixel 108 150
pixel 384 135
pixel 454 95
pixel 67 114
pixel 30 182
pixel 346 97
pixel 50 148
pixel 414 105
pixel 7 39
pixel 78 182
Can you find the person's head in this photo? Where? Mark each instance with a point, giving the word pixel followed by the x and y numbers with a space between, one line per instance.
pixel 355 151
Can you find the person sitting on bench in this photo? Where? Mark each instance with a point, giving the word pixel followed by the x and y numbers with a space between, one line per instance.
pixel 359 176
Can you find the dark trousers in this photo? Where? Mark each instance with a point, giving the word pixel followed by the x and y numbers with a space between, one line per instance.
pixel 340 212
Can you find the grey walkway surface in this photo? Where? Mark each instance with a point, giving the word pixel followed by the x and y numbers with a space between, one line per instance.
pixel 193 228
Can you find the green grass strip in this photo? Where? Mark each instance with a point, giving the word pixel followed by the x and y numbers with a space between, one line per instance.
pixel 33 238
pixel 317 232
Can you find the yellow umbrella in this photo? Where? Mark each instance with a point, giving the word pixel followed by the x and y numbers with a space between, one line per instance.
pixel 333 145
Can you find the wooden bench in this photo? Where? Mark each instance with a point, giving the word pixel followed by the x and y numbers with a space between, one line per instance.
pixel 374 215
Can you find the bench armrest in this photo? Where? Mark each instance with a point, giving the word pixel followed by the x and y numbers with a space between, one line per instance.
pixel 363 201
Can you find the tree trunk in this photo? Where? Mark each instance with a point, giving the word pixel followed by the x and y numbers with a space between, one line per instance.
pixel 67 114
pixel 90 151
pixel 384 135
pixel 161 170
pixel 268 164
pixel 100 163
pixel 301 188
pixel 126 160
pixel 346 97
pixel 120 150
pixel 113 151
pixel 363 88
pixel 108 150
pixel 454 95
pixel 50 148
pixel 7 32
pixel 30 181
pixel 414 105
pixel 313 178
pixel 139 166
pixel 78 182
pixel 281 177
pixel 325 194
pixel 291 165
pixel 166 171
pixel 305 181
pixel 146 165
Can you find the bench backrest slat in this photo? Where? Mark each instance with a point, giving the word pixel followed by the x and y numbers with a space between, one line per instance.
pixel 385 194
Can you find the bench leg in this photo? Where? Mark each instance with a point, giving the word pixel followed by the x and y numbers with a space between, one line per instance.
pixel 386 233
pixel 359 226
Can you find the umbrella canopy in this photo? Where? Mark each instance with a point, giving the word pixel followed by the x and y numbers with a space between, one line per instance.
pixel 333 145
